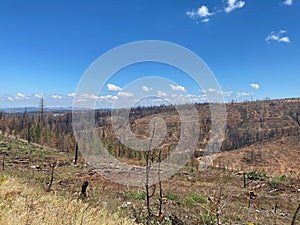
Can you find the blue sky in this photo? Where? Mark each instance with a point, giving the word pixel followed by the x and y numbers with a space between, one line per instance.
pixel 252 46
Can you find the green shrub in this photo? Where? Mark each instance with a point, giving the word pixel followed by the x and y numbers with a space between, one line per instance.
pixel 192 199
pixel 256 175
pixel 275 181
pixel 2 179
pixel 171 196
pixel 136 195
pixel 207 219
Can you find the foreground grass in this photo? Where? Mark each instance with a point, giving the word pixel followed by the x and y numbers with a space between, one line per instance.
pixel 21 204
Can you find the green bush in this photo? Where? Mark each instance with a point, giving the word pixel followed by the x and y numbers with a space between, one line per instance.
pixel 256 175
pixel 3 179
pixel 275 181
pixel 171 196
pixel 192 199
pixel 136 195
pixel 207 219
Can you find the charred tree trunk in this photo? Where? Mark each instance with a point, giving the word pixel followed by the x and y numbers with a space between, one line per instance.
pixel 52 166
pixel 84 186
pixel 28 133
pixel 76 154
pixel 295 215
pixel 160 186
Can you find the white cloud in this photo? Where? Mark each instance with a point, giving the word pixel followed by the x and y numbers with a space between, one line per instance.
pixel 244 94
pixel 192 14
pixel 71 94
pixel 202 12
pixel 211 90
pixel 279 37
pixel 233 4
pixel 189 98
pixel 56 96
pixel 21 96
pixel 125 94
pixel 162 94
pixel 112 87
pixel 255 86
pixel 147 89
pixel 227 93
pixel 92 97
pixel 10 98
pixel 205 20
pixel 219 92
pixel 177 87
pixel 38 95
pixel 285 39
pixel 87 96
pixel 288 2
pixel 108 97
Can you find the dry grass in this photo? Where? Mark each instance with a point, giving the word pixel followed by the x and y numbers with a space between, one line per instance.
pixel 276 156
pixel 20 204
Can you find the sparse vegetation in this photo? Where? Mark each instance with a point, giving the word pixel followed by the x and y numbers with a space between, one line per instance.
pixel 171 196
pixel 192 199
pixel 136 195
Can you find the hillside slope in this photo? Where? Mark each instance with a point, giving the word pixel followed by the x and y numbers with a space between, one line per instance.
pixel 21 203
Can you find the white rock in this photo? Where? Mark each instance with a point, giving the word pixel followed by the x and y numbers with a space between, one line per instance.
pixel 129 204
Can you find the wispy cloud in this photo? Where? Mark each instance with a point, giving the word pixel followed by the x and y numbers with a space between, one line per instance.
pixel 219 92
pixel 125 94
pixel 38 95
pixel 205 20
pixel 202 13
pixel 233 4
pixel 71 94
pixel 255 86
pixel 288 2
pixel 92 97
pixel 20 96
pixel 107 97
pixel 161 94
pixel 279 37
pixel 56 96
pixel 227 93
pixel 177 87
pixel 244 94
pixel 146 89
pixel 112 87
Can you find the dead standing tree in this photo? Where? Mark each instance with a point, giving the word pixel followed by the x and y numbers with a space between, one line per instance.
pixel 295 215
pixel 52 166
pixel 84 186
pixel 160 215
pixel 76 153
pixel 147 187
pixel 3 159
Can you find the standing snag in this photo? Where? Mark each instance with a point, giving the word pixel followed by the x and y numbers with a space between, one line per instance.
pixel 84 186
